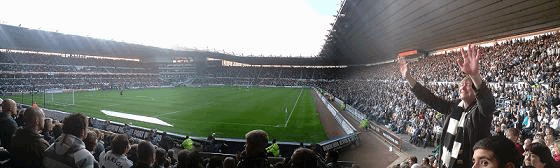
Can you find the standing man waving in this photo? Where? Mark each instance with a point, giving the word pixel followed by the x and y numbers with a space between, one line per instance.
pixel 468 119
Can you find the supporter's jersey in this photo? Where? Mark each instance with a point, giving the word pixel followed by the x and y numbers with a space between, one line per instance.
pixel 110 160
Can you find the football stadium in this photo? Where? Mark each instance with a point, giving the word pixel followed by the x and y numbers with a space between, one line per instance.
pixel 392 84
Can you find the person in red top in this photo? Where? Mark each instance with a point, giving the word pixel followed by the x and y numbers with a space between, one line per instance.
pixel 556 152
pixel 513 135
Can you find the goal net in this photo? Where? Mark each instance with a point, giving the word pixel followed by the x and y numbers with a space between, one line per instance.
pixel 59 97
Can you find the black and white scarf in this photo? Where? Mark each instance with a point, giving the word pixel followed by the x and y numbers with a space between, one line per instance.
pixel 453 139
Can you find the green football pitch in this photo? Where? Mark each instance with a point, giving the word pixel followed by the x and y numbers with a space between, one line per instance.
pixel 287 114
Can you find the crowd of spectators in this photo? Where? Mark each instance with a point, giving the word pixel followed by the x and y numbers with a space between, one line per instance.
pixel 29 137
pixel 521 73
pixel 25 72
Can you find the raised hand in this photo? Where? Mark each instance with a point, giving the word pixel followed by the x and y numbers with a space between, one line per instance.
pixel 469 64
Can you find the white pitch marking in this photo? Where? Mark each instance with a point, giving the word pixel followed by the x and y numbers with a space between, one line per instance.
pixel 285 125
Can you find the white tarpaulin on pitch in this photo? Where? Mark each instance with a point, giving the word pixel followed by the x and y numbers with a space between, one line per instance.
pixel 136 117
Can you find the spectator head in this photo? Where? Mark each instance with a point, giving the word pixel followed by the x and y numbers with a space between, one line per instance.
pixel 48 125
pixel 303 158
pixel 75 124
pixel 171 156
pixel 256 142
pixel 412 160
pixel 119 144
pixel 91 141
pixel 9 106
pixel 497 152
pixel 512 134
pixel 425 161
pixel 99 135
pixel 132 153
pixel 161 156
pixel 274 140
pixel 229 162
pixel 538 155
pixel 556 147
pixel 146 153
pixel 188 159
pixel 34 118
pixel 526 143
pixel 467 90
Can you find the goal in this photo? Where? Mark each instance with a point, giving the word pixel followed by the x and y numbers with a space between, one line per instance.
pixel 59 97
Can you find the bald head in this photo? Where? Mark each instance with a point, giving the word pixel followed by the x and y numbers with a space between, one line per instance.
pixel 256 141
pixel 9 106
pixel 34 118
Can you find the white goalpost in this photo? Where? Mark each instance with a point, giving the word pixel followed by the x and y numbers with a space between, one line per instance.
pixel 61 97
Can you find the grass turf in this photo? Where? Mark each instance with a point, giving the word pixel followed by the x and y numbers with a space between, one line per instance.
pixel 230 112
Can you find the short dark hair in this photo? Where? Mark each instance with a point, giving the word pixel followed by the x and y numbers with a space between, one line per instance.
pixel 303 157
pixel 188 159
pixel 119 144
pixel 75 124
pixel 543 152
pixel 161 154
pixel 91 140
pixel 514 131
pixel 145 151
pixel 256 137
pixel 132 153
pixel 504 150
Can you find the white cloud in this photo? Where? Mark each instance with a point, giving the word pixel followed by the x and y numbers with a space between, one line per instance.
pixel 283 27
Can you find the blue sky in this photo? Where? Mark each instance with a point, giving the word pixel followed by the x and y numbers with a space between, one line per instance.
pixel 325 7
pixel 257 27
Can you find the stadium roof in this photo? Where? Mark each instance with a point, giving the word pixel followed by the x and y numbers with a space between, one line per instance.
pixel 20 38
pixel 375 31
pixel 364 32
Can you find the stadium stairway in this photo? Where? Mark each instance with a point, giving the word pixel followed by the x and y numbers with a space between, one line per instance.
pixel 407 149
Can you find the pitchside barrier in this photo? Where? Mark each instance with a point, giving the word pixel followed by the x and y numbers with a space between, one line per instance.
pixel 346 126
pixel 351 136
pixel 388 136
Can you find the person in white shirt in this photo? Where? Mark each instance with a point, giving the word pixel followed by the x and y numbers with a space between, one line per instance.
pixel 116 157
pixel 554 122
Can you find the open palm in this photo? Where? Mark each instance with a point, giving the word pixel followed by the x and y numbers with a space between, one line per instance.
pixel 469 64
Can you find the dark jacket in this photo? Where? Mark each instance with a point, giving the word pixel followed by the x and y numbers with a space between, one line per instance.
pixel 140 165
pixel 477 121
pixel 258 161
pixel 28 148
pixel 7 128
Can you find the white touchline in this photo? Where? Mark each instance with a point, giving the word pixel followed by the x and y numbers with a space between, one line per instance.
pixel 136 117
pixel 297 100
